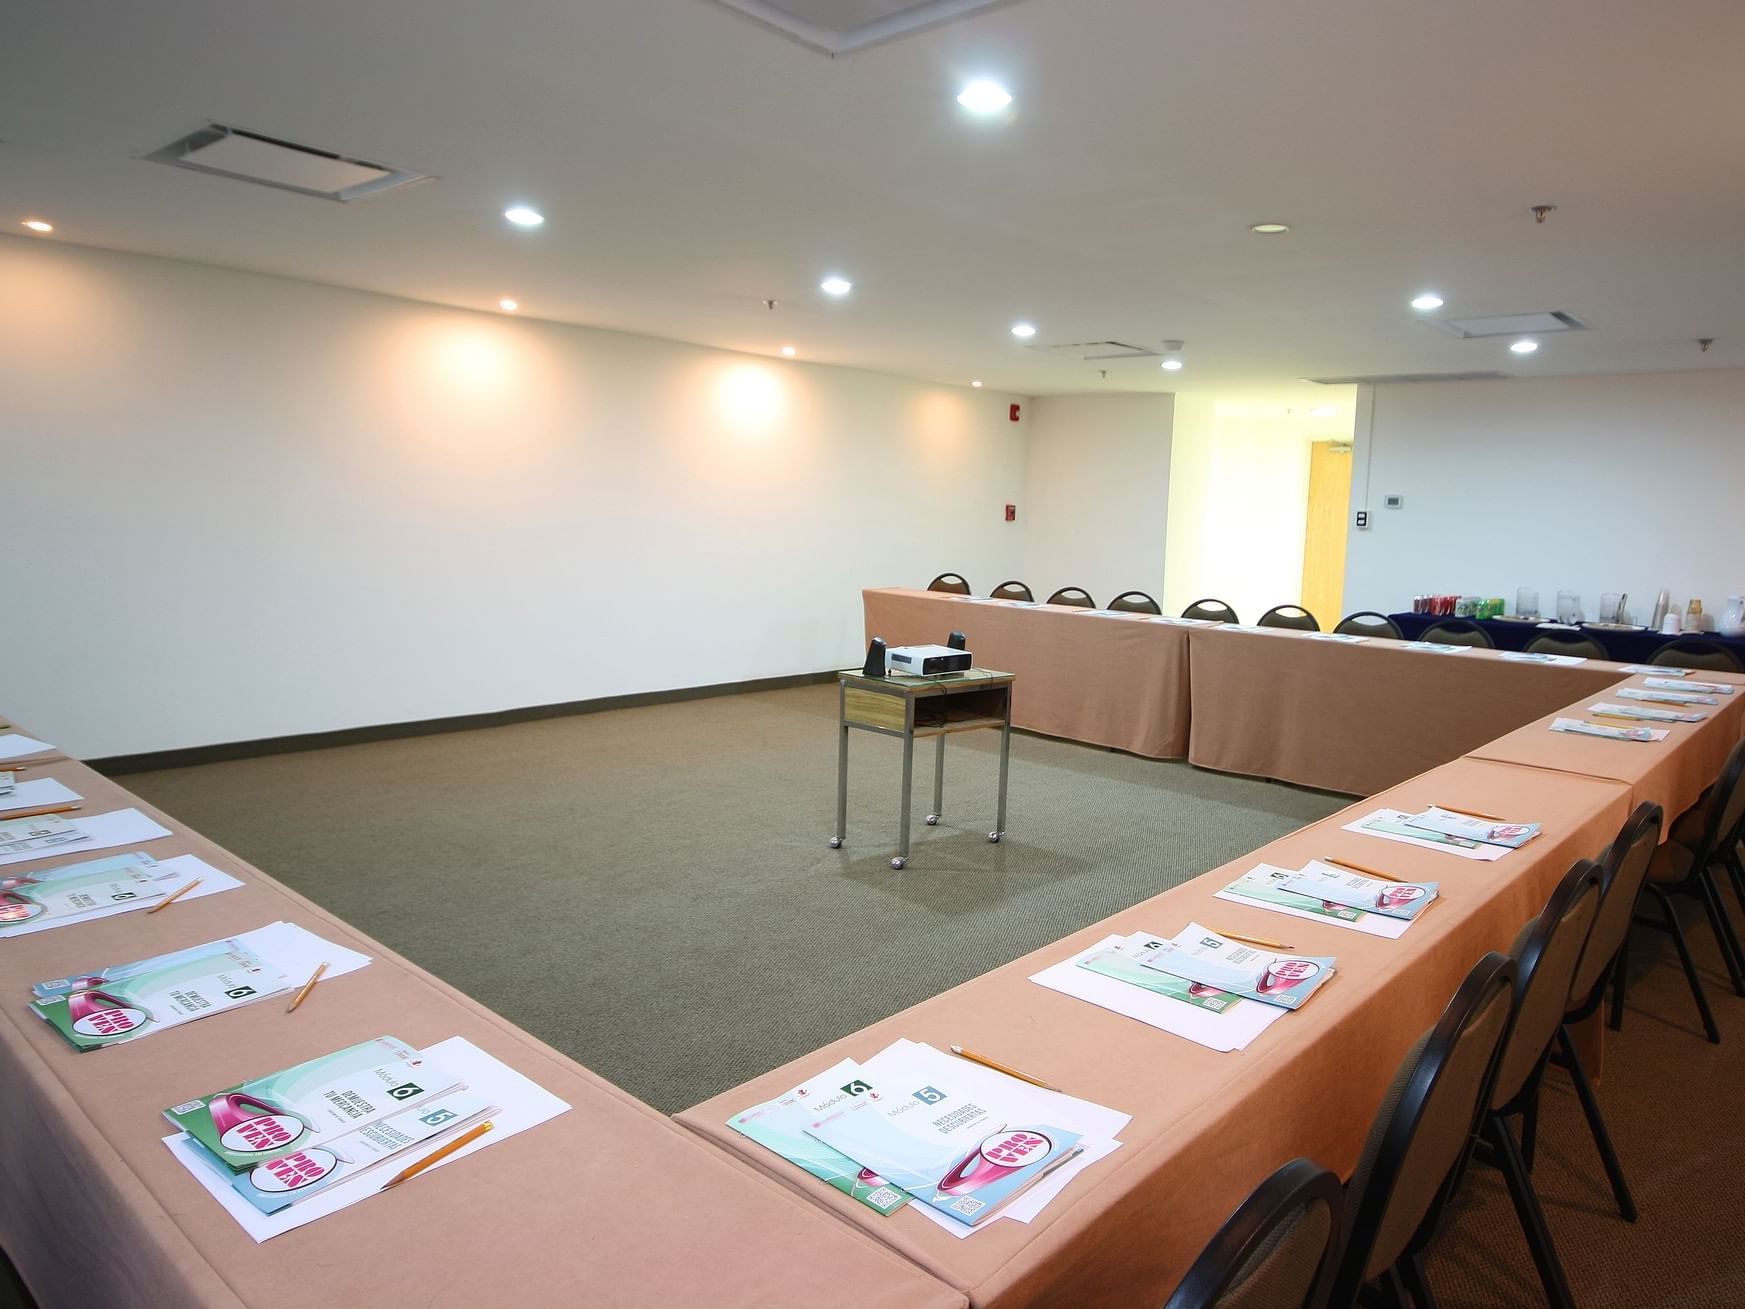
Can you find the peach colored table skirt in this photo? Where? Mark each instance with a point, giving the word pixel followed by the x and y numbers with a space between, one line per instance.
pixel 609 1204
pixel 1359 717
pixel 1672 773
pixel 1119 682
pixel 1206 1126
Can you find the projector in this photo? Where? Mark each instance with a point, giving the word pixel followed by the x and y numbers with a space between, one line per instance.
pixel 926 660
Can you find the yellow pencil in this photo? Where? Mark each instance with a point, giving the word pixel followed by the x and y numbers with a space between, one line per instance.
pixel 1472 813
pixel 307 987
pixel 1361 868
pixel 1255 940
pixel 465 1138
pixel 40 811
pixel 999 1067
pixel 175 895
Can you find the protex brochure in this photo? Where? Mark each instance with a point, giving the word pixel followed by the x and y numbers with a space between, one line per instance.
pixel 1284 980
pixel 1395 825
pixel 44 832
pixel 74 889
pixel 1664 696
pixel 1490 831
pixel 1265 884
pixel 948 1150
pixel 1646 715
pixel 310 1104
pixel 8 781
pixel 1582 727
pixel 1371 894
pixel 1713 688
pixel 780 1125
pixel 122 1002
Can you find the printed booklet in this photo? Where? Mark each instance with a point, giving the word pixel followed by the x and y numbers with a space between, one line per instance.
pixel 1278 979
pixel 1375 895
pixel 76 889
pixel 1489 831
pixel 44 832
pixel 1581 727
pixel 1646 715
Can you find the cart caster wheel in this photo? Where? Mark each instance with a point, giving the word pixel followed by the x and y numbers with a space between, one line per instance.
pixel 836 843
pixel 899 863
pixel 933 820
pixel 994 838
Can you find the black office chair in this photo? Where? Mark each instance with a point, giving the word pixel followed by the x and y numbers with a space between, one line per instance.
pixel 1214 610
pixel 1294 617
pixel 1135 602
pixel 1582 647
pixel 1076 596
pixel 1688 653
pixel 1277 1250
pixel 952 583
pixel 1012 591
pixel 1367 622
pixel 1458 631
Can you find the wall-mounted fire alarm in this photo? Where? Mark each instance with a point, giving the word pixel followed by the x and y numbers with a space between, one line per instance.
pixel 1014 413
pixel 1011 513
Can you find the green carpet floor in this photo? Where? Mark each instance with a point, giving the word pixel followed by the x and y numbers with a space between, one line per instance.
pixel 651 891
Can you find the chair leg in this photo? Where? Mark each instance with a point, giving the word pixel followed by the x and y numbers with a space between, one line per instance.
pixel 1725 937
pixel 1396 1287
pixel 1532 1216
pixel 1590 1106
pixel 1690 967
pixel 1736 871
pixel 1530 1128
pixel 1619 979
pixel 1411 1268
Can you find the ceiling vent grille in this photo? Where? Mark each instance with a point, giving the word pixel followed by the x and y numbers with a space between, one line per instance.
pixel 1409 377
pixel 269 161
pixel 1094 350
pixel 839 27
pixel 1535 324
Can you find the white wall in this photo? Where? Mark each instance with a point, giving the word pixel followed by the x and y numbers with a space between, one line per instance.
pixel 1589 484
pixel 237 506
pixel 1096 494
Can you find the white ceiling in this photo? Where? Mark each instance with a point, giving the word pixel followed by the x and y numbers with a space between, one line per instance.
pixel 691 162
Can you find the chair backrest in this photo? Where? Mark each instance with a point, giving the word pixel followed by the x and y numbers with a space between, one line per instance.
pixel 1012 591
pixel 1726 809
pixel 1697 654
pixel 1135 602
pixel 1421 1131
pixel 1623 869
pixel 1367 622
pixel 1293 616
pixel 1216 610
pixel 1583 647
pixel 1546 954
pixel 1073 595
pixel 951 582
pixel 1277 1250
pixel 1458 631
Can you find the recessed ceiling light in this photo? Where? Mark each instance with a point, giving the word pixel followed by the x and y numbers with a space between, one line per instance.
pixel 1023 329
pixel 789 352
pixel 508 305
pixel 1172 365
pixel 1322 411
pixel 836 286
pixel 984 97
pixel 977 382
pixel 37 225
pixel 1270 229
pixel 1524 346
pixel 1429 300
pixel 522 216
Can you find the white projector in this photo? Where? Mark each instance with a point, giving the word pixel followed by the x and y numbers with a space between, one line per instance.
pixel 926 660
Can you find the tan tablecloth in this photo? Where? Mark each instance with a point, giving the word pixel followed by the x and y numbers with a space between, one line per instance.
pixel 1119 682
pixel 1670 773
pixel 1357 718
pixel 609 1204
pixel 1207 1126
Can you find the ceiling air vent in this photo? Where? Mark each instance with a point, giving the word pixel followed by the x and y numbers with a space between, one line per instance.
pixel 251 157
pixel 1554 320
pixel 1100 350
pixel 837 27
pixel 1409 377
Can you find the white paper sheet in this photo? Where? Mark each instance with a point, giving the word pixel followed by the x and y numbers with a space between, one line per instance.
pixel 1481 853
pixel 521 1104
pixel 36 793
pixel 1349 638
pixel 106 831
pixel 179 871
pixel 297 952
pixel 1432 647
pixel 1523 657
pixel 1644 714
pixel 1225 1032
pixel 1181 622
pixel 1370 924
pixel 1606 732
pixel 15 745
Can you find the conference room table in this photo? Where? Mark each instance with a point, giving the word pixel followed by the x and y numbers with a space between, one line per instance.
pixel 610 1203
pixel 1630 647
pixel 1207 1126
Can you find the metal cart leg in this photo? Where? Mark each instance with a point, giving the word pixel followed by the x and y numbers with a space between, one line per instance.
pixel 1005 761
pixel 938 784
pixel 836 842
pixel 902 859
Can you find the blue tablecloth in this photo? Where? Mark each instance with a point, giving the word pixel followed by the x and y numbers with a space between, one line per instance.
pixel 1625 647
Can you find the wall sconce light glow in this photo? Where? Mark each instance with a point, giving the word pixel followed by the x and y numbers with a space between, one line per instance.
pixel 508 304
pixel 984 97
pixel 1322 411
pixel 1524 346
pixel 788 352
pixel 977 383
pixel 836 286
pixel 1172 365
pixel 1023 331
pixel 1270 229
pixel 38 225
pixel 1429 300
pixel 750 399
pixel 522 216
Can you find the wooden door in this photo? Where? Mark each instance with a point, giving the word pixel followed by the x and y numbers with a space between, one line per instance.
pixel 1324 538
